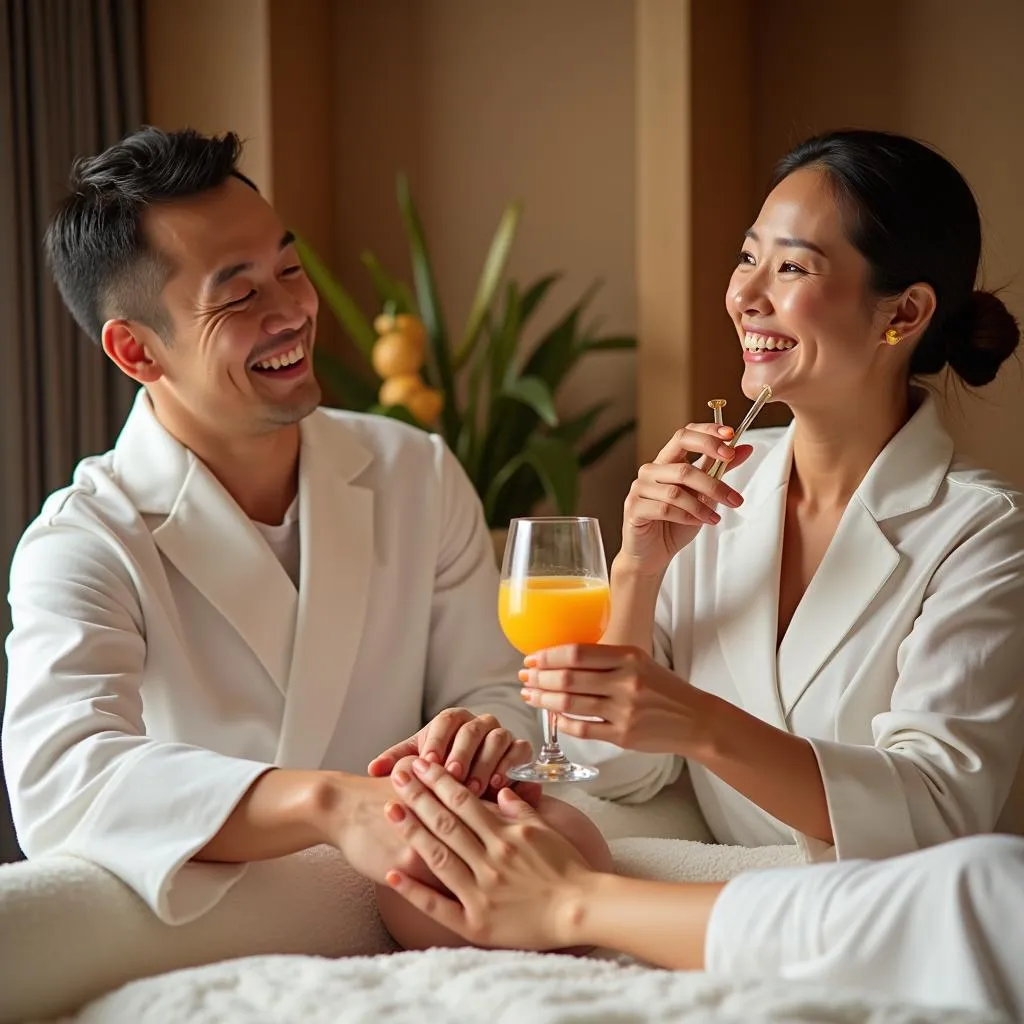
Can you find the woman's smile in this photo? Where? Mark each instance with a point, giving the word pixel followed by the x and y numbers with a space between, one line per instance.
pixel 765 347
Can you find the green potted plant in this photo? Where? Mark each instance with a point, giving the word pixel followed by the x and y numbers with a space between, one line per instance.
pixel 493 401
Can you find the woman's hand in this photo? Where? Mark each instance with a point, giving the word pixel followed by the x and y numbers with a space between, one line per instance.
pixel 641 704
pixel 473 748
pixel 517 883
pixel 671 498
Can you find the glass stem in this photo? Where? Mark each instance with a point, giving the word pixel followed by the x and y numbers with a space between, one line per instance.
pixel 551 752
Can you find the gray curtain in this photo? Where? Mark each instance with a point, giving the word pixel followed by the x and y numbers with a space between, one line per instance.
pixel 71 85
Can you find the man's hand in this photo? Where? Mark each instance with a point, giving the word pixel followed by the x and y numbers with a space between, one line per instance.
pixel 348 812
pixel 474 749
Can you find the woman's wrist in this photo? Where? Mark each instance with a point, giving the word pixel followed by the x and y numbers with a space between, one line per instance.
pixel 722 721
pixel 577 909
pixel 624 572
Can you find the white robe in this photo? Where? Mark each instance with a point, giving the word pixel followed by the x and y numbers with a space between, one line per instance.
pixel 941 927
pixel 903 663
pixel 161 658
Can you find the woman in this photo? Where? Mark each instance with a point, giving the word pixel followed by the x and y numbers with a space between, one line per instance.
pixel 939 927
pixel 833 643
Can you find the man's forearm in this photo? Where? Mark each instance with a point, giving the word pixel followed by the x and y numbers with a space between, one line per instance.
pixel 663 923
pixel 282 812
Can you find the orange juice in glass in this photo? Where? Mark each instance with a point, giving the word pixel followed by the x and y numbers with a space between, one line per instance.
pixel 554 591
pixel 548 611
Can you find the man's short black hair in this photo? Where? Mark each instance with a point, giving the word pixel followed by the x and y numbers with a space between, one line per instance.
pixel 95 244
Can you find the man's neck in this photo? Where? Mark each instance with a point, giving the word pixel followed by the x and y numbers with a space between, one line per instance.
pixel 260 471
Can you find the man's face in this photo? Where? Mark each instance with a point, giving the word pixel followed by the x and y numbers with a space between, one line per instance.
pixel 242 313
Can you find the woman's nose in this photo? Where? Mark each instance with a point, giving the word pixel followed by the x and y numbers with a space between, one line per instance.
pixel 748 294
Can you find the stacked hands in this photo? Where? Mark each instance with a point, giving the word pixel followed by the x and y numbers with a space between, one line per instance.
pixel 512 881
pixel 497 865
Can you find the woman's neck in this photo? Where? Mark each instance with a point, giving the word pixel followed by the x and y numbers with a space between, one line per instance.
pixel 833 448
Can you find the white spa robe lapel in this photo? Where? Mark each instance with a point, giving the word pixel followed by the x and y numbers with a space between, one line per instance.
pixel 204 530
pixel 861 559
pixel 747 606
pixel 337 544
pixel 858 563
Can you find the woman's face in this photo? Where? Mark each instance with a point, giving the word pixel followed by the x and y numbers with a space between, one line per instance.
pixel 800 300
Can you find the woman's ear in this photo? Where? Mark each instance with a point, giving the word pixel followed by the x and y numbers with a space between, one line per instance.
pixel 912 313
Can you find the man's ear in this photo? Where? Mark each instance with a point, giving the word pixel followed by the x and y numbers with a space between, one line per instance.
pixel 129 345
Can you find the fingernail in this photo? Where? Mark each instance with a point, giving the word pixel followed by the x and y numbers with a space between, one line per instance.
pixel 393 878
pixel 715 517
pixel 474 786
pixel 530 662
pixel 401 777
pixel 433 757
pixel 725 431
pixel 527 695
pixel 524 676
pixel 420 766
pixel 455 769
pixel 497 782
pixel 735 500
pixel 725 451
pixel 394 812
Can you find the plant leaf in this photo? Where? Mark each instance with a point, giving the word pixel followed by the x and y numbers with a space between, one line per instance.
pixel 556 466
pixel 352 390
pixel 503 344
pixel 605 443
pixel 469 443
pixel 612 344
pixel 534 295
pixel 558 350
pixel 573 430
pixel 344 307
pixel 533 392
pixel 388 288
pixel 429 305
pixel 490 277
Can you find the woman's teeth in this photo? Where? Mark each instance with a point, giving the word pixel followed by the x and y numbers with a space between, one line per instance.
pixel 763 342
pixel 277 362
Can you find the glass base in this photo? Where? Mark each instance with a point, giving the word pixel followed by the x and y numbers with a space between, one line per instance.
pixel 553 771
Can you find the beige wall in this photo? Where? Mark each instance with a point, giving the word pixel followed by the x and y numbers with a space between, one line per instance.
pixel 943 71
pixel 208 67
pixel 483 103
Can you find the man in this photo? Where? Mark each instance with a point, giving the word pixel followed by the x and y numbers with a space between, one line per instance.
pixel 224 619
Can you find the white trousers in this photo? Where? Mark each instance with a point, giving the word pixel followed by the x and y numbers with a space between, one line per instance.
pixel 940 927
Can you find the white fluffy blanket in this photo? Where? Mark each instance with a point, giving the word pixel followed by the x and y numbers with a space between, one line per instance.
pixel 477 987
pixel 82 936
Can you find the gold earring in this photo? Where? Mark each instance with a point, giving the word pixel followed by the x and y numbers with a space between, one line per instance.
pixel 893 337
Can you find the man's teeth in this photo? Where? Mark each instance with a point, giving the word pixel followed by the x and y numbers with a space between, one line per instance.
pixel 276 362
pixel 761 342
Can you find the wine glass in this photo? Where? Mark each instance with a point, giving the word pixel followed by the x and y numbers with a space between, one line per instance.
pixel 554 591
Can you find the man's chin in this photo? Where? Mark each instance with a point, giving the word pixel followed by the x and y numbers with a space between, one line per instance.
pixel 296 408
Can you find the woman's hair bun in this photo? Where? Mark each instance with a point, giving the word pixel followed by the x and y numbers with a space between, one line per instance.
pixel 981 338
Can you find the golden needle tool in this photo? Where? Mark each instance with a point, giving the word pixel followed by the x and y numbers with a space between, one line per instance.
pixel 716 471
